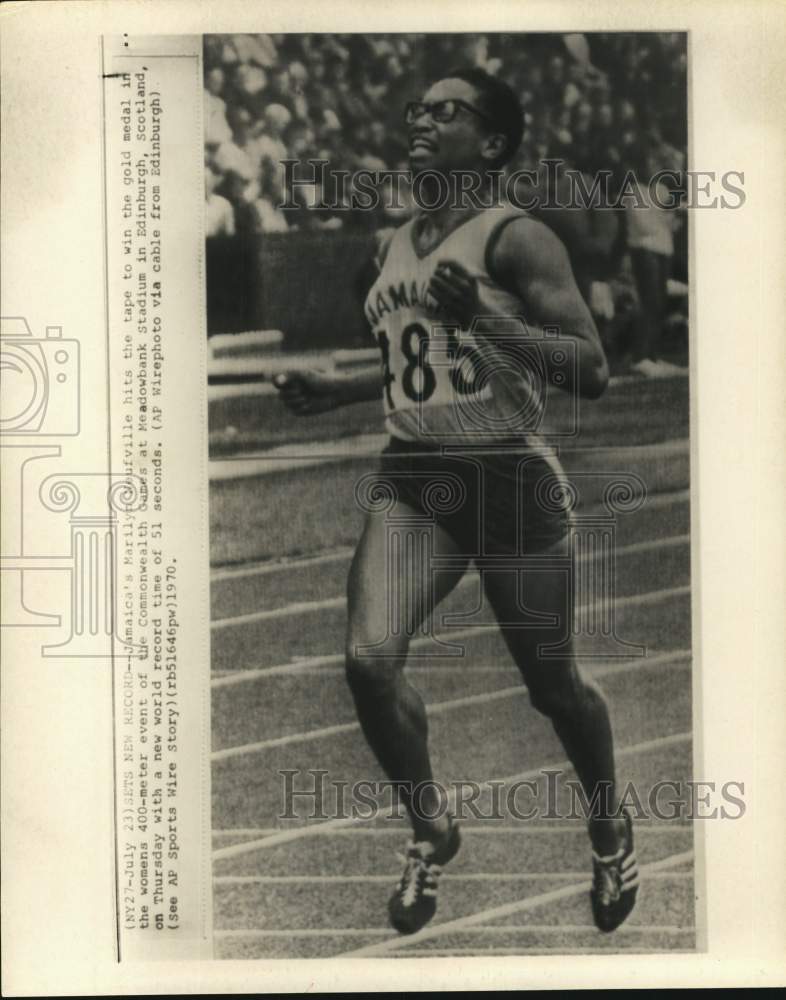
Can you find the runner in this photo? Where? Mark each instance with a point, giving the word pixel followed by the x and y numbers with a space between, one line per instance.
pixel 451 283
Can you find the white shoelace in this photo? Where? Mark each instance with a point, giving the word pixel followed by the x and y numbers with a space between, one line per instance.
pixel 417 869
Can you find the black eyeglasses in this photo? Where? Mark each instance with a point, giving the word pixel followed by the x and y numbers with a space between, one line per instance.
pixel 440 111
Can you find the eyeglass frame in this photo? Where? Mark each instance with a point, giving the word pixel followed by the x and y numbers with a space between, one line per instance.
pixel 427 107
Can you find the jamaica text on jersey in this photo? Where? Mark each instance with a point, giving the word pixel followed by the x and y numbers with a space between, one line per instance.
pixel 443 384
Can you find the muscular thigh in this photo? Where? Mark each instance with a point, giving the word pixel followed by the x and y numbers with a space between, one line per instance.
pixel 533 614
pixel 393 586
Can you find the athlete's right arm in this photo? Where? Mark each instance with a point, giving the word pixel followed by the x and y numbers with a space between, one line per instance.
pixel 312 391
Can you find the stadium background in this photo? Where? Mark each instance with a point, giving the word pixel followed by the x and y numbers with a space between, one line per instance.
pixel 283 289
pixel 611 102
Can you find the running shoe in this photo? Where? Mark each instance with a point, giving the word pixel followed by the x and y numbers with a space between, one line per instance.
pixel 414 901
pixel 615 882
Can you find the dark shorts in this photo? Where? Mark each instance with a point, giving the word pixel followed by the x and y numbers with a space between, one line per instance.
pixel 493 502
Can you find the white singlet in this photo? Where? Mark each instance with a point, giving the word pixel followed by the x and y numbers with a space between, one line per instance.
pixel 442 384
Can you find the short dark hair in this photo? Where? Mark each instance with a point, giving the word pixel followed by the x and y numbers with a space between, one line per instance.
pixel 499 103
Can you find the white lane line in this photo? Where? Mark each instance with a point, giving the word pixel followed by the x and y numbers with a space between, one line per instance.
pixel 238 572
pixel 219 574
pixel 282 459
pixel 333 603
pixel 282 837
pixel 323 932
pixel 282 741
pixel 243 676
pixel 369 446
pixel 497 912
pixel 298 608
pixel 230 880
pixel 311 932
pixel 218 393
pixel 468 827
pixel 435 708
pixel 438 666
pixel 234 880
pixel 315 830
pixel 481 953
pixel 246 831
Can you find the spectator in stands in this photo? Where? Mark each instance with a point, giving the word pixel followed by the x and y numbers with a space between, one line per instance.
pixel 617 87
pixel 217 128
pixel 300 140
pixel 595 100
pixel 650 230
pixel 589 233
pixel 362 154
pixel 233 154
pixel 561 141
pixel 280 88
pixel 474 51
pixel 400 84
pixel 574 86
pixel 582 133
pixel 219 214
pixel 265 214
pixel 317 216
pixel 257 49
pixel 249 83
pixel 554 82
pixel 267 145
pixel 386 146
pixel 298 75
pixel 242 192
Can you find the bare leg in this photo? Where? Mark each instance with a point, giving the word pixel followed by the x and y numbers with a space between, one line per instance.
pixel 402 593
pixel 575 705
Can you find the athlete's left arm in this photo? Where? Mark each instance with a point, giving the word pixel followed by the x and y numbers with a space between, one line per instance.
pixel 529 258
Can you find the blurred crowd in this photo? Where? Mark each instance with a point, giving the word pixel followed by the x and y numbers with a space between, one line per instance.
pixel 601 101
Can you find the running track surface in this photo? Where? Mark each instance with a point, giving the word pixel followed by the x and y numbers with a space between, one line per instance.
pixel 281 541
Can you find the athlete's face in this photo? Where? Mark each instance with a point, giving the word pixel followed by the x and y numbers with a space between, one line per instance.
pixel 467 141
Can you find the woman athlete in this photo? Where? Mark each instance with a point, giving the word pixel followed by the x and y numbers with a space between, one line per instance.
pixel 446 278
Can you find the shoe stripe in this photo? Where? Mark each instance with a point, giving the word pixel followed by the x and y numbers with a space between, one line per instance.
pixel 630 861
pixel 496 913
pixel 607 859
pixel 421 876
